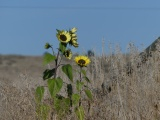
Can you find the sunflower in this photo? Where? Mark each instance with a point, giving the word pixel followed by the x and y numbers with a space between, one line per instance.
pixel 63 36
pixel 82 61
pixel 68 54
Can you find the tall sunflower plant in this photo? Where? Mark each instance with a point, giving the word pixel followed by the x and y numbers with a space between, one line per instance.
pixel 72 102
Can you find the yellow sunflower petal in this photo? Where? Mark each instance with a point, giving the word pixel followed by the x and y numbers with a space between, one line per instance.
pixel 73 35
pixel 73 30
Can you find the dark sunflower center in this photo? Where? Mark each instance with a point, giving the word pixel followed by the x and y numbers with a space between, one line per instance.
pixel 63 37
pixel 81 62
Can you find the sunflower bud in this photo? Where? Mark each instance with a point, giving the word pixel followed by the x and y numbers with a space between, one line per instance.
pixel 47 46
pixel 68 54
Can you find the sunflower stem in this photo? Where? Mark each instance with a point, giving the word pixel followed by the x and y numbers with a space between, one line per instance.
pixel 56 65
pixel 52 50
pixel 80 101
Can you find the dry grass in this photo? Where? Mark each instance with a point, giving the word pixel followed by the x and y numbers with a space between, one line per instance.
pixel 118 94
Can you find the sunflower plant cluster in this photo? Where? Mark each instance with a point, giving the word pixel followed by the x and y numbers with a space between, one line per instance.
pixel 63 106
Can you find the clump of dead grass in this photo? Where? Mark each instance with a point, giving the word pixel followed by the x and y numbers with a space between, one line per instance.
pixel 16 104
pixel 122 90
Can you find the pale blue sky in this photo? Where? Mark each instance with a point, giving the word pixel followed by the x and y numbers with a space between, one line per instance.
pixel 26 25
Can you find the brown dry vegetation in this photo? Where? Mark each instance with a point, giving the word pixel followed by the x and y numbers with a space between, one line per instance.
pixel 118 95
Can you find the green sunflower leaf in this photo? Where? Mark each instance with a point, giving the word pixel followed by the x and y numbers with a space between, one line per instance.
pixel 69 90
pixel 83 72
pixel 79 112
pixel 79 85
pixel 39 93
pixel 62 47
pixel 87 79
pixel 48 58
pixel 89 94
pixel 67 69
pixel 58 30
pixel 58 96
pixel 75 99
pixel 55 86
pixel 48 73
pixel 42 111
pixel 62 107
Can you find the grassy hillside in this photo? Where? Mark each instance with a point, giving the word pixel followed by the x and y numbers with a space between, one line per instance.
pixel 124 87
